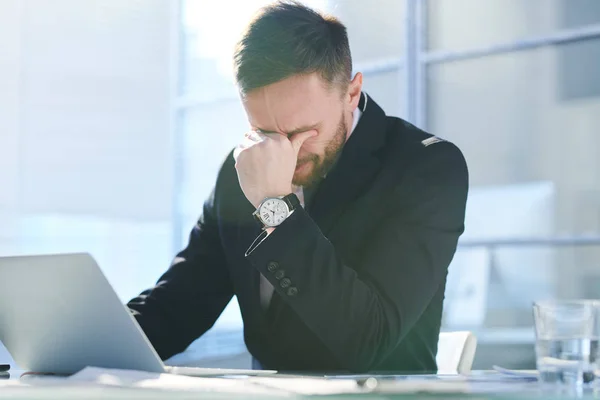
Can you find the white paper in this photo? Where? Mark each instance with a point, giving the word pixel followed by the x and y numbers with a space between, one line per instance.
pixel 139 379
pixel 322 386
pixel 94 379
pixel 196 371
pixel 310 386
pixel 421 386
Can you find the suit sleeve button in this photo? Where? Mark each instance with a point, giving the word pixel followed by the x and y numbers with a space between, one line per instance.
pixel 272 266
pixel 285 282
pixel 292 291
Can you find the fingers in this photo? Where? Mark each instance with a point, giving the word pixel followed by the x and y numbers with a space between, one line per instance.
pixel 253 136
pixel 250 139
pixel 299 139
pixel 236 152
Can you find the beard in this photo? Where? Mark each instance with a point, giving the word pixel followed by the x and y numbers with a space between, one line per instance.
pixel 320 165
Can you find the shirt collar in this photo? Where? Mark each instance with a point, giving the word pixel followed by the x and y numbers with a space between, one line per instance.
pixel 355 117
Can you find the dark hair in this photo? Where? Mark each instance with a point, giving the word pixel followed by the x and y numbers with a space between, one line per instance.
pixel 288 38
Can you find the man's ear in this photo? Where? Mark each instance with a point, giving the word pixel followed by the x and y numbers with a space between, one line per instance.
pixel 354 91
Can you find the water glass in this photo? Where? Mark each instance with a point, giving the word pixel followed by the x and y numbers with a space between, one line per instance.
pixel 566 344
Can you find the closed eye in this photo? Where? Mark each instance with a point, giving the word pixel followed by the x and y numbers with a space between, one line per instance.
pixel 261 131
pixel 291 133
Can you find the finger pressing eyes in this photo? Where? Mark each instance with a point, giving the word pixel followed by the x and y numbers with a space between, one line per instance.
pixel 253 136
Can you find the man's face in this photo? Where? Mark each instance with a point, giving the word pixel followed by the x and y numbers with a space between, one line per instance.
pixel 302 103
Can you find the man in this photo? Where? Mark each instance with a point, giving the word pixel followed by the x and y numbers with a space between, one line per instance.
pixel 333 224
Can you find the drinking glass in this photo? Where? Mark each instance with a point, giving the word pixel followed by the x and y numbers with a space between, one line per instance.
pixel 566 344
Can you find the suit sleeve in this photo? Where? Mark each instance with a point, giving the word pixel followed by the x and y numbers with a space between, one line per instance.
pixel 190 296
pixel 363 318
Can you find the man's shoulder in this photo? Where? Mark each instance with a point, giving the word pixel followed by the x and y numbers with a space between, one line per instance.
pixel 413 147
pixel 424 172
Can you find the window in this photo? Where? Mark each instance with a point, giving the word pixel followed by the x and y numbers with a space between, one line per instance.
pixel 85 143
pixel 86 163
pixel 511 83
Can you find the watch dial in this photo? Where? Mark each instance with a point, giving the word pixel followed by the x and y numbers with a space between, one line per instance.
pixel 273 212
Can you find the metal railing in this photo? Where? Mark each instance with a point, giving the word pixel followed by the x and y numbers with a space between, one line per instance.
pixel 554 241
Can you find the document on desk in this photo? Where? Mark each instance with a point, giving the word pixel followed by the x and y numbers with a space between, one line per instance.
pixel 262 386
pixel 206 372
pixel 294 386
pixel 309 386
pixel 148 380
pixel 275 386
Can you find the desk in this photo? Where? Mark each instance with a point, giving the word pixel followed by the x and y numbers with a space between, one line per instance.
pixel 64 388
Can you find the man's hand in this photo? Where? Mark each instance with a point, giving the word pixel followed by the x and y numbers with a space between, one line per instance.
pixel 265 164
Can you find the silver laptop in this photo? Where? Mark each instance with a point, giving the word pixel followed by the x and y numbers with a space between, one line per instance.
pixel 59 314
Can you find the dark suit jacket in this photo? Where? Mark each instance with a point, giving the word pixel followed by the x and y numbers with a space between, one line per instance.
pixel 359 276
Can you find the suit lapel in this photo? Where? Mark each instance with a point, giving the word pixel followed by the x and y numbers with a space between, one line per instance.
pixel 355 169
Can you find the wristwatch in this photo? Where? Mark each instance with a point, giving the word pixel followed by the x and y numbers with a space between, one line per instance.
pixel 272 211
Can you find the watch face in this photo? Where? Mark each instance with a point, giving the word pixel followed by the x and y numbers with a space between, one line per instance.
pixel 273 212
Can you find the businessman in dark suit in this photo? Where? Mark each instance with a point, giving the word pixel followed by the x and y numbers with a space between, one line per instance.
pixel 332 223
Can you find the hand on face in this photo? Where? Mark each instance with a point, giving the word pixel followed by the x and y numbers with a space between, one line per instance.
pixel 266 164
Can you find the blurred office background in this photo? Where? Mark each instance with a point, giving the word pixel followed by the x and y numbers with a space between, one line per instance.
pixel 115 116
